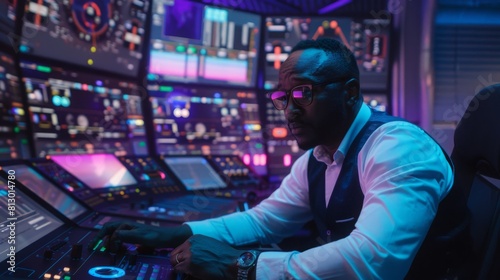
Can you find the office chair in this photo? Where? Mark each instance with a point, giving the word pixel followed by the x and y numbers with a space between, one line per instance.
pixel 476 156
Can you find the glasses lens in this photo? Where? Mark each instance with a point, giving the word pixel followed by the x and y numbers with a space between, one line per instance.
pixel 302 95
pixel 279 99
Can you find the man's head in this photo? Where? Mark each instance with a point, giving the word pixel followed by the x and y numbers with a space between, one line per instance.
pixel 324 77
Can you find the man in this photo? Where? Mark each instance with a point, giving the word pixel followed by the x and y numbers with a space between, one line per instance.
pixel 372 184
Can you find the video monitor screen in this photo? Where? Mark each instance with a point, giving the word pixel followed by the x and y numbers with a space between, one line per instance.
pixel 195 173
pixel 367 38
pixel 80 112
pixel 207 121
pixel 47 191
pixel 196 43
pixel 14 141
pixel 97 170
pixel 32 221
pixel 106 35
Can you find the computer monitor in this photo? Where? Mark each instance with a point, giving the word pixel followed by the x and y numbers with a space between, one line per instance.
pixel 80 112
pixel 47 191
pixel 207 121
pixel 106 35
pixel 195 173
pixel 14 141
pixel 367 38
pixel 32 221
pixel 97 171
pixel 196 43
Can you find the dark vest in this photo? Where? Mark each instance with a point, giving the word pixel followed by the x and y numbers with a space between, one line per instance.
pixel 338 219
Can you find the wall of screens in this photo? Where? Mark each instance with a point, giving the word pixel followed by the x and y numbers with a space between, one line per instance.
pixel 192 42
pixel 202 71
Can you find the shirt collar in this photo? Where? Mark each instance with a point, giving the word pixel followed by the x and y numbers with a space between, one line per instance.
pixel 361 119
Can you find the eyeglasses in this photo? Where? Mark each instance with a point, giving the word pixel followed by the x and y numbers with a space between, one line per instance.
pixel 302 95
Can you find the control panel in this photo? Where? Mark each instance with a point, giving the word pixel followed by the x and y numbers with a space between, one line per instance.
pixel 150 175
pixel 65 256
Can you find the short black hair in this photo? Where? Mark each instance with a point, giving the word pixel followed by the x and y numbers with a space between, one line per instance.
pixel 337 50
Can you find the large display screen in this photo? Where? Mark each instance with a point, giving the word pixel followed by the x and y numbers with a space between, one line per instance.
pixel 13 127
pixel 47 191
pixel 195 173
pixel 77 112
pixel 192 42
pixel 31 220
pixel 207 121
pixel 367 38
pixel 106 35
pixel 97 170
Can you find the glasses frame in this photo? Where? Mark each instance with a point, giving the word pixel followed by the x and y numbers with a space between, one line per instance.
pixel 288 93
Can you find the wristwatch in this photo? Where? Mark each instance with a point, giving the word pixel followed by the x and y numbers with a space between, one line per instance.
pixel 246 264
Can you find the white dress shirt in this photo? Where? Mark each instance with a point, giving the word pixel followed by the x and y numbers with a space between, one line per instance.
pixel 403 175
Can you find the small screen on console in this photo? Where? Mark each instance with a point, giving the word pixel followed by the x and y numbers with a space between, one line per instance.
pixel 47 191
pixel 31 220
pixel 195 173
pixel 96 170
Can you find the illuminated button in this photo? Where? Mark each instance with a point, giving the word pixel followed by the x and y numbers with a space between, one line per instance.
pixel 67 277
pixel 57 277
pixel 106 272
pixel 279 132
pixel 66 269
pixel 47 276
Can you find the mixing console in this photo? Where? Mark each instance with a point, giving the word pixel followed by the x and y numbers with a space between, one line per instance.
pixel 65 256
pixel 62 200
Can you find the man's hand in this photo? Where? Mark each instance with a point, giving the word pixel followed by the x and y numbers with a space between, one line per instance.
pixel 146 235
pixel 205 258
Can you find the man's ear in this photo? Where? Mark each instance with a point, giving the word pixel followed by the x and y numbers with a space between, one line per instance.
pixel 352 88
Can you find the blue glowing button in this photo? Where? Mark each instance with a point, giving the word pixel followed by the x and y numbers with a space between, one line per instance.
pixel 108 272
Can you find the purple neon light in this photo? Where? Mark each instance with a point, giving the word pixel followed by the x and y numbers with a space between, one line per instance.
pixel 333 6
